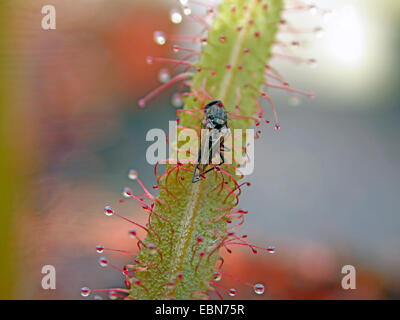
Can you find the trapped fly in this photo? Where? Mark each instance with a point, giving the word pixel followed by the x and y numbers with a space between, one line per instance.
pixel 214 129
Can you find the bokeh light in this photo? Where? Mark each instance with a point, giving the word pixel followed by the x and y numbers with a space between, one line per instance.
pixel 345 32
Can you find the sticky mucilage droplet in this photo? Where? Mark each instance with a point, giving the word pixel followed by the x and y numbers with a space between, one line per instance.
pixel 175 16
pixel 132 174
pixel 259 288
pixel 159 37
pixel 108 211
pixel 85 292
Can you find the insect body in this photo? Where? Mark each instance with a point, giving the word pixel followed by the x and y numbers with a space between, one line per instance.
pixel 214 128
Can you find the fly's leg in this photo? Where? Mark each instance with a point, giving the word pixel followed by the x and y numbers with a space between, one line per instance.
pixel 210 156
pixel 198 177
pixel 194 177
pixel 221 154
pixel 225 148
pixel 213 167
pixel 204 172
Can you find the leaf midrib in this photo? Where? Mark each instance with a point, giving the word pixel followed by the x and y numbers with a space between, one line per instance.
pixel 197 190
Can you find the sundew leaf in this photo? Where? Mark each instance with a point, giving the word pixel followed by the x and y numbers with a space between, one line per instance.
pixel 190 221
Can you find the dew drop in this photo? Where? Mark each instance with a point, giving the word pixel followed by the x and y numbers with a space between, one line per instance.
pixel 232 292
pixel 108 211
pixel 175 48
pixel 132 233
pixel 99 249
pixel 163 75
pixel 85 292
pixel 159 37
pixel 203 41
pixel 177 100
pixel 175 16
pixel 271 249
pixel 259 288
pixel 187 11
pixel 113 295
pixel 127 193
pixel 222 38
pixel 97 298
pixel 217 276
pixel 132 174
pixel 277 127
pixel 103 262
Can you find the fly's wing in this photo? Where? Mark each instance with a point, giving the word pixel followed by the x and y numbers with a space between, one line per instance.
pixel 204 157
pixel 217 138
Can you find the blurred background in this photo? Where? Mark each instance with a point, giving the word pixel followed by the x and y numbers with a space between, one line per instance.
pixel 325 191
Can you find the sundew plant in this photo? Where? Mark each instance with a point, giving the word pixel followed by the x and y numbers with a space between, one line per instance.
pixel 189 224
